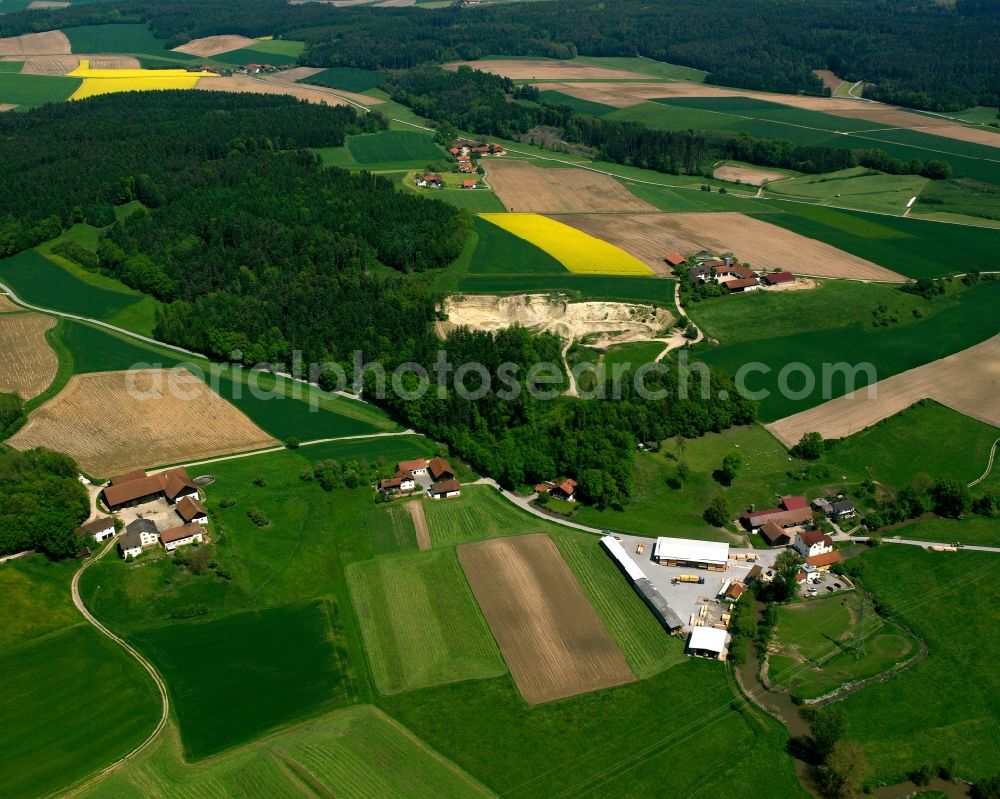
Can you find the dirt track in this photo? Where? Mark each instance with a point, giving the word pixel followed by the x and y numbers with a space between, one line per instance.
pixel 554 643
pixel 27 362
pixel 48 43
pixel 968 382
pixel 831 81
pixel 6 304
pixel 523 187
pixel 416 509
pixel 602 323
pixel 544 69
pixel 213 45
pixel 109 429
pixel 742 174
pixel 763 245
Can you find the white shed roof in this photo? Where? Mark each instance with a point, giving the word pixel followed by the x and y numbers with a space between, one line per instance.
pixel 708 639
pixel 617 551
pixel 691 550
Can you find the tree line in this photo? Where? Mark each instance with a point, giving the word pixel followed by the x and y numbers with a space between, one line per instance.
pixel 923 55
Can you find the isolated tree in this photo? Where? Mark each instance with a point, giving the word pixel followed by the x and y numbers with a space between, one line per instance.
pixel 717 513
pixel 683 472
pixel 786 569
pixel 730 468
pixel 951 497
pixel 810 447
pixel 827 728
pixel 844 771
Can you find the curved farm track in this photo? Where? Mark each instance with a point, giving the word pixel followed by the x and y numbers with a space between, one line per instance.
pixel 161 686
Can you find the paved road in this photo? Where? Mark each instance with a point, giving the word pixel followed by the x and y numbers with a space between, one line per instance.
pixel 160 684
pixel 989 465
pixel 525 503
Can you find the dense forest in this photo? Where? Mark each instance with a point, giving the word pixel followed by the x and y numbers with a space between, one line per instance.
pixel 41 502
pixel 526 439
pixel 119 147
pixel 922 54
pixel 489 104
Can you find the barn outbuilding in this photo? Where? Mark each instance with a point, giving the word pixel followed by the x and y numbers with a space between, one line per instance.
pixel 711 555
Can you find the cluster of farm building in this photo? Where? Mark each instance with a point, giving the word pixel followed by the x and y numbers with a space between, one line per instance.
pixel 162 509
pixel 680 600
pixel 727 272
pixel 465 152
pixel 434 476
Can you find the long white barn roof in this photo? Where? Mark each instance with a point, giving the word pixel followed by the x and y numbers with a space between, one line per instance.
pixel 617 551
pixel 691 550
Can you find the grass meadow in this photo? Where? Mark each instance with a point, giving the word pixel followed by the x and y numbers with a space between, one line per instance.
pixel 420 622
pixel 388 149
pixel 391 529
pixel 891 350
pixel 499 252
pixel 480 513
pixel 333 756
pixel 290 659
pixel 927 439
pixel 944 706
pixel 817 638
pixel 71 700
pixel 28 91
pixel 278 52
pixel 350 79
pixel 588 107
pixel 853 188
pixel 132 38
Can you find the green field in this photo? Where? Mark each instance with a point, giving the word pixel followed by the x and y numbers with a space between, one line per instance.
pixel 481 512
pixel 388 149
pixel 41 281
pixel 234 678
pixel 659 508
pixel 501 253
pixel 816 639
pixel 31 90
pixel 775 121
pixel 333 756
pixel 853 188
pixel 278 52
pixel 71 700
pixel 94 349
pixel 892 350
pixel 350 79
pixel 837 303
pixel 645 644
pixel 960 196
pixel 391 529
pixel 132 38
pixel 977 530
pixel 943 706
pixel 602 743
pixel 588 107
pixel 11 66
pixel 635 354
pixel 927 439
pixel 420 622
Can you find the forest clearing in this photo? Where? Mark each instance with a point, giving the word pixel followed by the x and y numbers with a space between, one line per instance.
pixel 111 422
pixel 968 382
pixel 554 643
pixel 28 364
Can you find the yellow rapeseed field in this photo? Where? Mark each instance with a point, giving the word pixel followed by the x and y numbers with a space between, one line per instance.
pixel 106 81
pixel 574 249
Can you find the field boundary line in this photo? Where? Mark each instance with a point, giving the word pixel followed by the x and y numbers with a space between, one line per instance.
pixel 161 686
pixel 989 465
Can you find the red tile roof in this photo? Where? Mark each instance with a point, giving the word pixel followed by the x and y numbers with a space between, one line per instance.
pixel 410 466
pixel 794 503
pixel 447 487
pixel 170 483
pixel 96 526
pixel 438 467
pixel 128 477
pixel 189 508
pixel 813 537
pixel 743 283
pixel 179 533
pixel 469 184
pixel 674 258
pixel 567 486
pixel 827 559
pixel 778 277
pixel 773 532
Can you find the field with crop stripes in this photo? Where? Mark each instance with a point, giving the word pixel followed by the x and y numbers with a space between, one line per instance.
pixel 574 249
pixel 334 756
pixel 420 622
pixel 108 81
pixel 391 529
pixel 481 512
pixel 647 647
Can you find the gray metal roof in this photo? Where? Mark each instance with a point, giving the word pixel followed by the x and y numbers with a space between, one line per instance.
pixel 141 526
pixel 657 603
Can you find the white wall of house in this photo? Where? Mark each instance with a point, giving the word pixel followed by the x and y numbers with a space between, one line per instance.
pixel 133 552
pixel 819 548
pixel 104 535
pixel 182 542
pixel 148 539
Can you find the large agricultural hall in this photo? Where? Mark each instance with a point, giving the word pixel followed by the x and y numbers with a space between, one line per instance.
pixel 710 555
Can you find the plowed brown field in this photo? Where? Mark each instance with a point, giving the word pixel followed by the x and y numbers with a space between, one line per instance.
pixel 968 382
pixel 313 94
pixel 743 174
pixel 554 643
pixel 526 188
pixel 213 45
pixel 416 510
pixel 27 362
pixel 763 245
pixel 48 43
pixel 112 422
